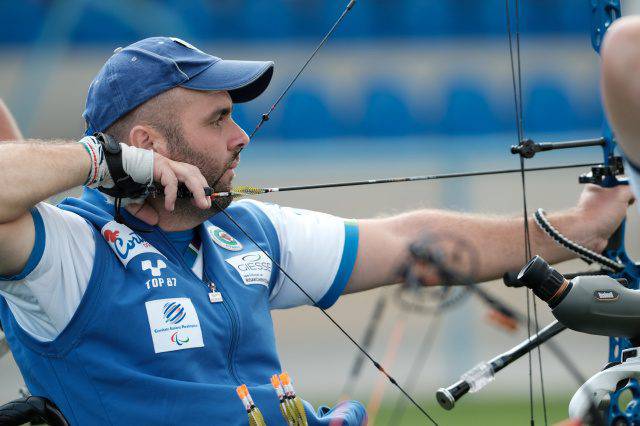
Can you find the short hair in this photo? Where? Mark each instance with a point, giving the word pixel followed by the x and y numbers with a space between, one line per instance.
pixel 159 112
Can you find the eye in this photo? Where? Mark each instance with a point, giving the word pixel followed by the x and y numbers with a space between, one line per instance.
pixel 221 119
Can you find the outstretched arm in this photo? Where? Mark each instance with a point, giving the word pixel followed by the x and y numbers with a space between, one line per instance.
pixel 9 130
pixel 498 242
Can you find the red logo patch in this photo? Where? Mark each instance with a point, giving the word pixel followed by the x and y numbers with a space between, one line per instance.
pixel 110 235
pixel 228 238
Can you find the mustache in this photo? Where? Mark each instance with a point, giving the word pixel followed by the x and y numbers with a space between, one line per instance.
pixel 234 157
pixel 226 167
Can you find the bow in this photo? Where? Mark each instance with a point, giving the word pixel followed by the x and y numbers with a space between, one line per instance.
pixel 605 174
pixel 614 260
pixel 604 12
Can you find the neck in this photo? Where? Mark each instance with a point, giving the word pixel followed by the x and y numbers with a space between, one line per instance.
pixel 171 222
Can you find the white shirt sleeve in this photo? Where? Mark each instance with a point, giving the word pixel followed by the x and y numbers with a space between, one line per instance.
pixel 46 294
pixel 316 249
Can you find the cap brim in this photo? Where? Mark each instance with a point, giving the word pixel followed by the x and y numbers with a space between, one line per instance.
pixel 244 80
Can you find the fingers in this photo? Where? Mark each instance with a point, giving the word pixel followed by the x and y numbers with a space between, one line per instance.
pixel 170 173
pixel 169 181
pixel 195 182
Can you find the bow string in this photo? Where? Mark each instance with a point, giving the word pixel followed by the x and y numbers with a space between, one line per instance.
pixel 264 118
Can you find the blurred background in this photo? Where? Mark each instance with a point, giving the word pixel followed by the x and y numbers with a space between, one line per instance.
pixel 404 87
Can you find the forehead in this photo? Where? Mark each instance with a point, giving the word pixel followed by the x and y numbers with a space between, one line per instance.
pixel 200 98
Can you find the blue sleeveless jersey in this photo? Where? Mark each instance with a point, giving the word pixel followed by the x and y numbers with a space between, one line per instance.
pixel 148 346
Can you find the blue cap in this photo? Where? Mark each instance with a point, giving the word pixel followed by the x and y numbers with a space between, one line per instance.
pixel 142 70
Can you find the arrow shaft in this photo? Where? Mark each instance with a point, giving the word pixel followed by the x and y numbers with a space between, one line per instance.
pixel 407 179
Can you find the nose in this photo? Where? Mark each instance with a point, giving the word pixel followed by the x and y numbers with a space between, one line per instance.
pixel 239 139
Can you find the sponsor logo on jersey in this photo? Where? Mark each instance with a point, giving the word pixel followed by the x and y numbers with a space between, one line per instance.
pixel 174 324
pixel 224 239
pixel 173 313
pixel 156 270
pixel 156 267
pixel 254 267
pixel 125 243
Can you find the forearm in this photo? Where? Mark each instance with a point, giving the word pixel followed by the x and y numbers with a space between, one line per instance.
pixel 33 171
pixel 496 243
pixel 9 130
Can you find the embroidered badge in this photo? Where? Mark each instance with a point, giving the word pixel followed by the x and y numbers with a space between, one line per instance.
pixel 254 267
pixel 155 267
pixel 125 243
pixel 223 239
pixel 174 324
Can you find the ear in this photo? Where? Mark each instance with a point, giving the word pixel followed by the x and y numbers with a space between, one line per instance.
pixel 146 137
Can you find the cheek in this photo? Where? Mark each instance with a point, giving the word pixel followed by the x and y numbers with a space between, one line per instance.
pixel 209 141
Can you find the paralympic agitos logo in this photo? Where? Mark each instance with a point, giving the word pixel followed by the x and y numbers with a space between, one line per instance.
pixel 175 338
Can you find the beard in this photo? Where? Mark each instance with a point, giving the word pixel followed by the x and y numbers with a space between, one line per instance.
pixel 211 168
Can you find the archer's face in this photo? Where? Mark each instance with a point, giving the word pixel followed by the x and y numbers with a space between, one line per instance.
pixel 210 138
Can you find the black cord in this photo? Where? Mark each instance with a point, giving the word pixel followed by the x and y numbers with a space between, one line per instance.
pixel 119 217
pixel 375 363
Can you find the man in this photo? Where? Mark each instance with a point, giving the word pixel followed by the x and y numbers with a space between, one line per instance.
pixel 621 89
pixel 161 324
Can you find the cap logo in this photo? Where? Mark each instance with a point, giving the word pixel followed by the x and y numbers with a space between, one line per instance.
pixel 185 44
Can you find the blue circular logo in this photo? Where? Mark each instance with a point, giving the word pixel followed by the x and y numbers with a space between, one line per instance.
pixel 173 312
